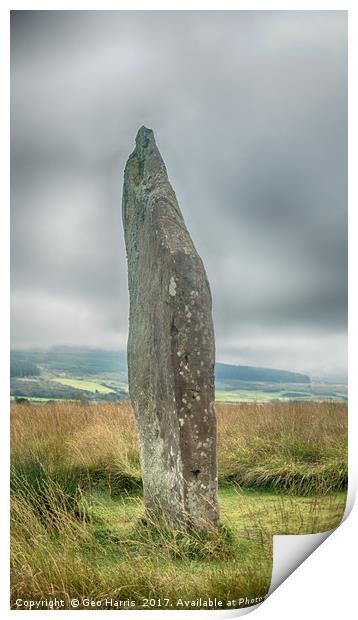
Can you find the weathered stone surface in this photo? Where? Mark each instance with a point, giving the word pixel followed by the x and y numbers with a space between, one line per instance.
pixel 171 347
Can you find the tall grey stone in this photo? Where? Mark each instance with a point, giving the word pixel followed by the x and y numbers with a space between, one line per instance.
pixel 171 350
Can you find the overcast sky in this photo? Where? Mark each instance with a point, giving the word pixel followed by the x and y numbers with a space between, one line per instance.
pixel 249 110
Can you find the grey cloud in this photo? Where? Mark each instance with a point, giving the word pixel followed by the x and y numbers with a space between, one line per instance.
pixel 249 111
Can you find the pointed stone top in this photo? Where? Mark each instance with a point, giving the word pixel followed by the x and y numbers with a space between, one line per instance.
pixel 144 137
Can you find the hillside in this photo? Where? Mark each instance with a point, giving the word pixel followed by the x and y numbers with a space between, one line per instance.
pixel 67 373
pixel 254 373
pixel 86 361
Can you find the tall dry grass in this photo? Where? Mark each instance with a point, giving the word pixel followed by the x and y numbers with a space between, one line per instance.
pixel 76 445
pixel 296 448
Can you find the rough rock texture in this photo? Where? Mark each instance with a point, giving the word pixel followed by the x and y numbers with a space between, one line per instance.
pixel 171 347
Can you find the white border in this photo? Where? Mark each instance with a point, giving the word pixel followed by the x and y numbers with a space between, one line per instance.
pixel 321 569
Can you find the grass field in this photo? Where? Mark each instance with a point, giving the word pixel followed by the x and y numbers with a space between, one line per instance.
pixel 244 396
pixel 264 393
pixel 82 384
pixel 77 510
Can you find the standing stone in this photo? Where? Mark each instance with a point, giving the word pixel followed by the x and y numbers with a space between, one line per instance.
pixel 171 350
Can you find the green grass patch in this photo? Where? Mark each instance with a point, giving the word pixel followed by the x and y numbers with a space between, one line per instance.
pixel 244 396
pixel 81 384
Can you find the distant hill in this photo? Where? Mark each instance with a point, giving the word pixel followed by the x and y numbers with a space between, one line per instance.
pixel 70 360
pixel 230 372
pixel 82 361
